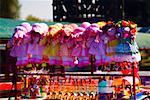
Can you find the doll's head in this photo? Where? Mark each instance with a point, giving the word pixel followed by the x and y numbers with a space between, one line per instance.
pixel 67 30
pixel 54 29
pixel 85 25
pixel 36 27
pixel 45 28
pixel 111 31
pixel 77 33
pixel 20 32
pixel 126 29
pixel 27 26
pixel 126 32
pixel 93 29
pixel 73 25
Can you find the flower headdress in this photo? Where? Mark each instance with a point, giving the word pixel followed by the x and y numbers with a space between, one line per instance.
pixel 126 28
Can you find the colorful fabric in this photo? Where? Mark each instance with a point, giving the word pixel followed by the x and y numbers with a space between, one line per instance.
pixel 68 47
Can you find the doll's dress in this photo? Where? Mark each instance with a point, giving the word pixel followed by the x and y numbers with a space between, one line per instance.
pixel 131 52
pixel 22 59
pixel 65 53
pixel 94 49
pixel 136 56
pixel 123 51
pixel 81 53
pixel 51 50
pixel 16 49
pixel 84 58
pixel 102 47
pixel 19 50
pixel 98 49
pixel 40 53
pixel 111 49
pixel 34 50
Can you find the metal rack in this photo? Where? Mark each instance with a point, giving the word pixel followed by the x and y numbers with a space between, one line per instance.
pixel 16 74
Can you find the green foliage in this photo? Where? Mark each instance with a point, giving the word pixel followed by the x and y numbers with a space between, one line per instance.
pixel 33 18
pixel 9 9
pixel 36 19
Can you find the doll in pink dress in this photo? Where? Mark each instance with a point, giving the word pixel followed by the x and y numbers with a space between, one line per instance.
pixel 66 45
pixel 80 51
pixel 20 46
pixel 95 43
pixel 17 40
pixel 26 41
pixel 35 51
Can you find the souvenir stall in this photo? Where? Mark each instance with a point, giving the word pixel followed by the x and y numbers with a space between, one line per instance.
pixel 44 52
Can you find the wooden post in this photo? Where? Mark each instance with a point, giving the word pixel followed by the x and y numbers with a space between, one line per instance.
pixel 134 90
pixel 92 64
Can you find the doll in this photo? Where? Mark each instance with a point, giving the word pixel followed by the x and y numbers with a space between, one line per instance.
pixel 127 49
pixel 111 42
pixel 52 42
pixel 19 43
pixel 95 44
pixel 66 45
pixel 34 49
pixel 85 25
pixel 17 40
pixel 26 41
pixel 123 48
pixel 136 56
pixel 79 51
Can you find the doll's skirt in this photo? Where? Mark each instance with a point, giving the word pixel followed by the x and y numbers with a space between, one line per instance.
pixel 67 61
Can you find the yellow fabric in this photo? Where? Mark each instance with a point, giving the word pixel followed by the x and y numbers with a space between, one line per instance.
pixel 111 46
pixel 113 43
pixel 126 93
pixel 43 41
pixel 54 29
pixel 101 24
pixel 51 50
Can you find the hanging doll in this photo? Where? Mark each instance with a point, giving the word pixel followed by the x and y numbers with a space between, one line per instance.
pixel 123 48
pixel 20 46
pixel 80 51
pixel 66 45
pixel 35 51
pixel 26 41
pixel 127 49
pixel 136 56
pixel 52 42
pixel 112 41
pixel 94 43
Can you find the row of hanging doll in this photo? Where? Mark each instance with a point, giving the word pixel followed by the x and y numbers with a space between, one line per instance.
pixel 71 44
